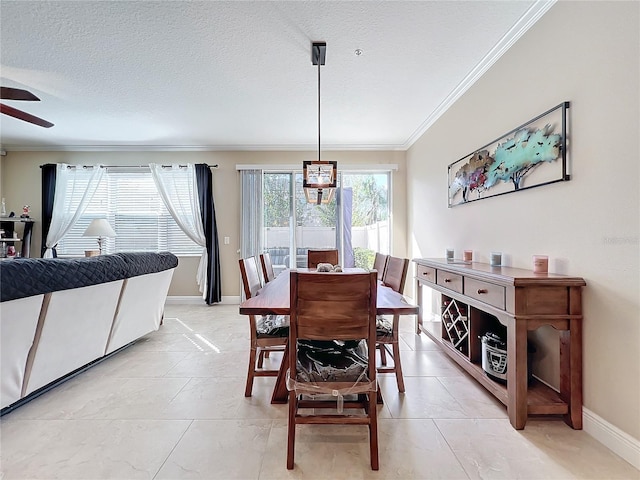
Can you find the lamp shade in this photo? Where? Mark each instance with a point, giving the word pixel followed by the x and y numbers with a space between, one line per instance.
pixel 99 227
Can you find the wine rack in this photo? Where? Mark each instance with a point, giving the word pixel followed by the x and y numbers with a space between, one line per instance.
pixel 455 322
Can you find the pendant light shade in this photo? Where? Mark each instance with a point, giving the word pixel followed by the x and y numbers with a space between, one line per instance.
pixel 319 196
pixel 319 174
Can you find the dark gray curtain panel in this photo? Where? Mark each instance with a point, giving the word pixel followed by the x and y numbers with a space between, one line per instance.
pixel 48 193
pixel 213 294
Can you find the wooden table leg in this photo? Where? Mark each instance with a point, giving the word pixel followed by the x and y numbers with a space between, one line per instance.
pixel 517 373
pixel 570 381
pixel 419 318
pixel 571 362
pixel 280 392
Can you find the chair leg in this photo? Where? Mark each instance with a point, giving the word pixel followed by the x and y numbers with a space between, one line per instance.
pixel 398 366
pixel 261 357
pixel 373 431
pixel 383 354
pixel 250 373
pixel 291 429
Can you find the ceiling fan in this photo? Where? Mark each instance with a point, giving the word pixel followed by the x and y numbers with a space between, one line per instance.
pixel 7 93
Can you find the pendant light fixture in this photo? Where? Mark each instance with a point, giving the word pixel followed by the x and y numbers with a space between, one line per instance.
pixel 319 178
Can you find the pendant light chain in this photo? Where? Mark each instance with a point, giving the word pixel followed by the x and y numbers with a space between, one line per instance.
pixel 319 103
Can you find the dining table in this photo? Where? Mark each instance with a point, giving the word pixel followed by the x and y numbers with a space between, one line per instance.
pixel 274 299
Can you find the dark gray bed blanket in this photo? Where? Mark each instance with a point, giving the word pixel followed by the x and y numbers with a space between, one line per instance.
pixel 25 277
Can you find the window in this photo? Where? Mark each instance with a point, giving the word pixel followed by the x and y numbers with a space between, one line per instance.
pixel 128 198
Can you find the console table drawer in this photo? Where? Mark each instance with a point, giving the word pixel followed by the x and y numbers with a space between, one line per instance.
pixel 485 292
pixel 449 280
pixel 426 274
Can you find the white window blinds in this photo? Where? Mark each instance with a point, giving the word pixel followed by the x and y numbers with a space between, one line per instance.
pixel 129 200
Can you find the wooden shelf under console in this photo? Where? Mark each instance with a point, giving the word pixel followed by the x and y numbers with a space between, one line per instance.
pixel 9 225
pixel 478 298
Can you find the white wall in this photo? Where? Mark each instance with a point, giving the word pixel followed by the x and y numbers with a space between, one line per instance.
pixel 586 53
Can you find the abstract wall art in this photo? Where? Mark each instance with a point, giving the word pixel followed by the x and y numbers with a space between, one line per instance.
pixel 530 155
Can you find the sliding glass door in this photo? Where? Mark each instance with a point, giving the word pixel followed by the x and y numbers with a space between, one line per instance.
pixel 366 222
pixel 355 221
pixel 278 220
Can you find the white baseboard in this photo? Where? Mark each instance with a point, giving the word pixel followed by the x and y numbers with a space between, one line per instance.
pixel 231 300
pixel 197 300
pixel 612 437
pixel 619 442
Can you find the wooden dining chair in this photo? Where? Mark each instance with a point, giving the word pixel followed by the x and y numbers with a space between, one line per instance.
pixel 267 267
pixel 332 331
pixel 394 277
pixel 380 263
pixel 314 257
pixel 268 332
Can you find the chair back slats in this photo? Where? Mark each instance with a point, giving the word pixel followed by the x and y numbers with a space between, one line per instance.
pixel 349 321
pixel 267 267
pixel 380 263
pixel 395 274
pixel 394 277
pixel 333 306
pixel 250 276
pixel 314 257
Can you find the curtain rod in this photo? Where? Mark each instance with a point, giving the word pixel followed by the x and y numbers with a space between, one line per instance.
pixel 130 166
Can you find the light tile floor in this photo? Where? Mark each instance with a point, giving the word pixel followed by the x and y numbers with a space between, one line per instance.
pixel 172 407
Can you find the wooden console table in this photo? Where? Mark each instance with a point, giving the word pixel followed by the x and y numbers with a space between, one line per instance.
pixel 517 301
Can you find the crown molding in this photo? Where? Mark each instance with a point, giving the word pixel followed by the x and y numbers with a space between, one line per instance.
pixel 525 22
pixel 198 148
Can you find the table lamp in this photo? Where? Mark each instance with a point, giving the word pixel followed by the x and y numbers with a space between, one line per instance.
pixel 99 227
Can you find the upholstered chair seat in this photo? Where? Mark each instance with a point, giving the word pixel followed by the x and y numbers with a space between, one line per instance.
pixel 272 326
pixel 384 329
pixel 332 361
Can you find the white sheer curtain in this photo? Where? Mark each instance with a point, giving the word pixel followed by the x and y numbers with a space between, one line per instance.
pixel 75 187
pixel 178 189
pixel 251 212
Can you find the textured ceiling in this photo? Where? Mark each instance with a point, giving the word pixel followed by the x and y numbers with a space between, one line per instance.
pixel 238 75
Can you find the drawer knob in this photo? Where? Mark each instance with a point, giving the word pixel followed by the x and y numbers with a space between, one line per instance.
pixel 425 273
pixel 481 291
pixel 447 280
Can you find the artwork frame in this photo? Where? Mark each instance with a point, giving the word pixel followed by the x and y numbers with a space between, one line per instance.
pixel 531 155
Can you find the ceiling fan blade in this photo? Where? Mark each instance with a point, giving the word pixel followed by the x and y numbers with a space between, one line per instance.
pixel 27 117
pixel 8 93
